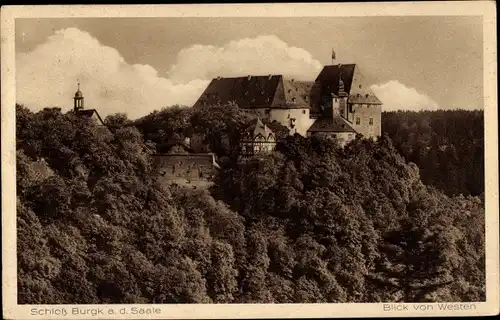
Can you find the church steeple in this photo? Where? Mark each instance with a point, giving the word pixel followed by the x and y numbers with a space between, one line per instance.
pixel 78 99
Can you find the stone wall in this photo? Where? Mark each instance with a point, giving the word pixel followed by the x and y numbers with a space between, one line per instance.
pixel 190 168
pixel 362 113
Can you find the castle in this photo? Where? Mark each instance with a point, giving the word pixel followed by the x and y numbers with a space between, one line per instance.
pixel 338 104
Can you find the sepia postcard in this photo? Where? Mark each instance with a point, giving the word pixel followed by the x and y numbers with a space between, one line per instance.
pixel 229 161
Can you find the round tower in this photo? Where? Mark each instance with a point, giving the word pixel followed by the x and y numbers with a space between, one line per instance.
pixel 78 99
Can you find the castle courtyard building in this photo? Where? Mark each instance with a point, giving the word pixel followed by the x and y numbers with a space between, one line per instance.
pixel 339 104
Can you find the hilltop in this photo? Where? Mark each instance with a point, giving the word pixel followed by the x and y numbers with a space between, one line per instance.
pixel 310 222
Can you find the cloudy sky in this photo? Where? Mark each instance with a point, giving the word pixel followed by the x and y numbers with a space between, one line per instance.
pixel 137 65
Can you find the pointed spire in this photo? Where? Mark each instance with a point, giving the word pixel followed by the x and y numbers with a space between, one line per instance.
pixel 78 98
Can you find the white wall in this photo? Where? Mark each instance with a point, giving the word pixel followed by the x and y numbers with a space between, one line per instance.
pixel 301 116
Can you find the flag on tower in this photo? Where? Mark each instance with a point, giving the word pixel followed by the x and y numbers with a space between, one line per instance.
pixel 333 55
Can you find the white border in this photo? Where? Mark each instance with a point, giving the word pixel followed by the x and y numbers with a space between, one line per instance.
pixel 486 9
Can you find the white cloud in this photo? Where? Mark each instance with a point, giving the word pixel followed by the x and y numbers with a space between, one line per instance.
pixel 257 56
pixel 47 75
pixel 397 96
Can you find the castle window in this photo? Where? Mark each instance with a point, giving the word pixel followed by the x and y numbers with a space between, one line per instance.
pixel 293 99
pixel 358 120
pixel 303 111
pixel 371 121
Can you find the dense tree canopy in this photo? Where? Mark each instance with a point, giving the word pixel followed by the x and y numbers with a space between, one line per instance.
pixel 447 146
pixel 311 222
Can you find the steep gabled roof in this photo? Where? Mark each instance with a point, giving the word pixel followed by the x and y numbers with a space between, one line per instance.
pixel 331 124
pixel 279 131
pixel 246 92
pixel 89 113
pixel 272 91
pixel 292 94
pixel 261 129
pixel 354 83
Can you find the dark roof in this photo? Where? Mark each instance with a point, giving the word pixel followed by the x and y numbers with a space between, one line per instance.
pixel 88 113
pixel 204 159
pixel 292 94
pixel 330 75
pixel 329 124
pixel 246 92
pixel 271 91
pixel 327 83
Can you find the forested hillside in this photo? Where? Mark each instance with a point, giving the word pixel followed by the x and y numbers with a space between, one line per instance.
pixel 447 146
pixel 308 223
